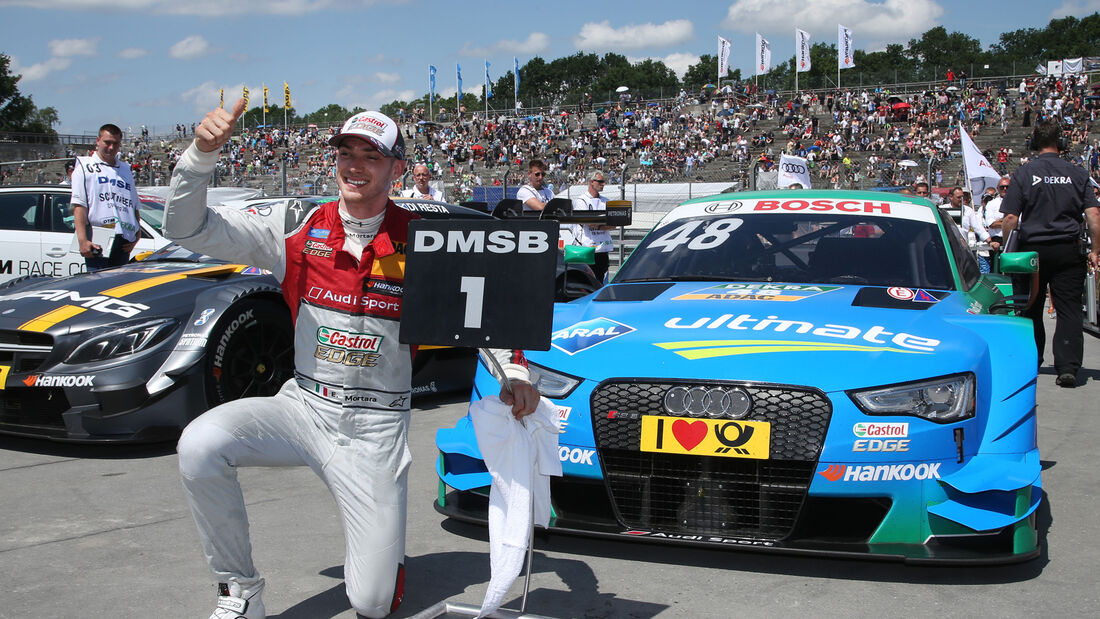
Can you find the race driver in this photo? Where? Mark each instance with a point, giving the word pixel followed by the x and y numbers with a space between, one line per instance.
pixel 345 414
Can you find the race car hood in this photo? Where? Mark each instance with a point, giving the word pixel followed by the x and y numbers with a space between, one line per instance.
pixel 828 336
pixel 89 300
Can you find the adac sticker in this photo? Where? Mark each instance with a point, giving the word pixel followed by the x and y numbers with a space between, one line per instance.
pixel 756 291
pixel 584 335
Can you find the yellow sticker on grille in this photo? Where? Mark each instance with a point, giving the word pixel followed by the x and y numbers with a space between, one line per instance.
pixel 4 369
pixel 706 437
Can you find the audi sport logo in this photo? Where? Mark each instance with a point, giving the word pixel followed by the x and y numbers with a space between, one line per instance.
pixel 793 168
pixel 714 402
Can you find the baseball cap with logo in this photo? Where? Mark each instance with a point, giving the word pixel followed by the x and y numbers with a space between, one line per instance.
pixel 376 128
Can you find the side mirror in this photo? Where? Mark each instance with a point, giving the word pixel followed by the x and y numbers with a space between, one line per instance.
pixel 576 254
pixel 1020 263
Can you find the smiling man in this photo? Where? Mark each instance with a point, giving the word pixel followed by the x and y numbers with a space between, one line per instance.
pixel 346 412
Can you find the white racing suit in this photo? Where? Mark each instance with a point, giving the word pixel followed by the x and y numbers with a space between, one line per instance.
pixel 346 412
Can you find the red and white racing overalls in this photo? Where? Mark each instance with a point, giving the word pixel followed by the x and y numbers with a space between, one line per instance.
pixel 346 412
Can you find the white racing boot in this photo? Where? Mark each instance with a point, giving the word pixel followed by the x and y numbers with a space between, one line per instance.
pixel 237 603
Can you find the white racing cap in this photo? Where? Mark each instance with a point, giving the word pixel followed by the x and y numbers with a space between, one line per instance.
pixel 376 128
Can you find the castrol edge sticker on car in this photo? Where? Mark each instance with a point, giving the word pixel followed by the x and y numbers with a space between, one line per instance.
pixel 808 205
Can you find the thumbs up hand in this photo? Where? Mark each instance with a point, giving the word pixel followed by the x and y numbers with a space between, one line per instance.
pixel 215 129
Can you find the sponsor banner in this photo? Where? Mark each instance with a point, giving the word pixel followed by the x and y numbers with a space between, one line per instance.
pixel 880 472
pixel 802 50
pixel 763 55
pixel 723 57
pixel 755 291
pixel 845 49
pixel 706 437
pixel 806 206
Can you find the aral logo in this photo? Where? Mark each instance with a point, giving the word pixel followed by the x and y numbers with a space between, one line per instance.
pixel 348 340
pixel 584 335
pixel 873 429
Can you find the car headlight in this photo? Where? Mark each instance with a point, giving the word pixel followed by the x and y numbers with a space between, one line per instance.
pixel 550 383
pixel 121 340
pixel 943 400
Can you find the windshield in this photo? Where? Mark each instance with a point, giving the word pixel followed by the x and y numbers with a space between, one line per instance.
pixel 152 213
pixel 802 248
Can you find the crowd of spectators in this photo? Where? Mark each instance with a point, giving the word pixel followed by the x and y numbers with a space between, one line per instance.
pixel 852 137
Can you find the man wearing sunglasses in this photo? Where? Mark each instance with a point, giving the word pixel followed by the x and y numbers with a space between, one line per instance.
pixel 595 236
pixel 535 194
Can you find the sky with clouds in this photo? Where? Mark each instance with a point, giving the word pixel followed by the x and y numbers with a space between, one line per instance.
pixel 159 62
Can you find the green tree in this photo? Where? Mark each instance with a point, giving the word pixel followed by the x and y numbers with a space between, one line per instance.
pixel 18 112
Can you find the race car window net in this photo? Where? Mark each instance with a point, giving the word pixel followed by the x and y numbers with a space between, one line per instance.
pixel 965 262
pixel 806 249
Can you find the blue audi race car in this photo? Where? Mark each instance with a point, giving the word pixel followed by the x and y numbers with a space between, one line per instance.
pixel 803 371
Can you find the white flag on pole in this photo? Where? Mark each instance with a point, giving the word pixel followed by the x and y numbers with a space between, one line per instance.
pixel 845 51
pixel 802 50
pixel 793 170
pixel 723 57
pixel 763 55
pixel 978 171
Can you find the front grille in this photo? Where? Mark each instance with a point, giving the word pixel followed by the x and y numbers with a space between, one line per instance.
pixel 710 495
pixel 33 408
pixel 24 351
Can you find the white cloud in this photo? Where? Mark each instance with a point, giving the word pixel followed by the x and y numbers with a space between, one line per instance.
pixel 602 37
pixel 871 22
pixel 131 53
pixel 387 78
pixel 40 70
pixel 535 43
pixel 1076 8
pixel 678 61
pixel 191 47
pixel 65 48
pixel 204 97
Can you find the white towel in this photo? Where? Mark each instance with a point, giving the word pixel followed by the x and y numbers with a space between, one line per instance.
pixel 521 456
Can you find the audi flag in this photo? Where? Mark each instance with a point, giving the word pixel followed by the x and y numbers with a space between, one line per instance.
pixel 793 170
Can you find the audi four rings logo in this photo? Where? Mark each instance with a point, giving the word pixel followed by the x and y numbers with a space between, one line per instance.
pixel 712 402
pixel 794 168
pixel 723 207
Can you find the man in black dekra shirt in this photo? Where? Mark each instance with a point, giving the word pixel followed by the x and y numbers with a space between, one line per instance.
pixel 1046 199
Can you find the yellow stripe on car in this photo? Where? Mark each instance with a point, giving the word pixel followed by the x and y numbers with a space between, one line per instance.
pixel 51 318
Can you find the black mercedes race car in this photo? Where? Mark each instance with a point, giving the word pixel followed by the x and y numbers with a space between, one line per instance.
pixel 134 353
